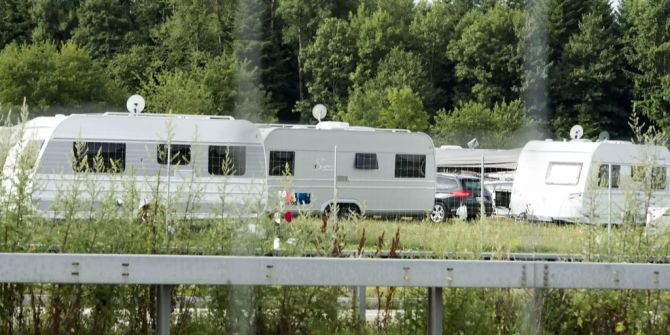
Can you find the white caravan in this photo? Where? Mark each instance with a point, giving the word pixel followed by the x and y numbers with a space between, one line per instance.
pixel 569 181
pixel 385 172
pixel 216 163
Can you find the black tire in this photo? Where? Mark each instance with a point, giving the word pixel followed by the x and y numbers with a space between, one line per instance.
pixel 349 211
pixel 439 213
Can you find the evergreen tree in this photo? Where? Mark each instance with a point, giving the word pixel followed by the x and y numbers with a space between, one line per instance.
pixel 487 56
pixel 647 41
pixel 536 61
pixel 103 26
pixel 251 100
pixel 278 70
pixel 432 29
pixel 54 20
pixel 15 22
pixel 301 20
pixel 592 63
pixel 192 33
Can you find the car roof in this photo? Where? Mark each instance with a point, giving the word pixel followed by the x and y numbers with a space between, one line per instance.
pixel 457 176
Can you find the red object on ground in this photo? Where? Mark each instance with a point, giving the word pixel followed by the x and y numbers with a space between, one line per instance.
pixel 288 216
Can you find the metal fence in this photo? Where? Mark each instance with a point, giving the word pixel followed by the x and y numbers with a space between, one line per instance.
pixel 166 271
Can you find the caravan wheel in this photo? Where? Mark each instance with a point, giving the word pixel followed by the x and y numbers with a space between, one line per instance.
pixel 439 213
pixel 349 211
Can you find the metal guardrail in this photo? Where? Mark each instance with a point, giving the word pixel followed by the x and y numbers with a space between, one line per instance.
pixel 434 274
pixel 487 256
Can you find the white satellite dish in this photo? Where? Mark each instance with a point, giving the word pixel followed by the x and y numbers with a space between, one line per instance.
pixel 473 143
pixel 135 104
pixel 603 136
pixel 576 132
pixel 319 111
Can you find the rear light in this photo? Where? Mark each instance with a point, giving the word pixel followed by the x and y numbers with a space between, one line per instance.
pixel 461 193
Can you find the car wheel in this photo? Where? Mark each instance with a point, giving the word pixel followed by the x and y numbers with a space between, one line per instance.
pixel 438 214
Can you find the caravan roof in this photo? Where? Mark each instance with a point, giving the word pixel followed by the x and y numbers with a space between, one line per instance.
pixel 345 137
pixel 604 152
pixel 125 127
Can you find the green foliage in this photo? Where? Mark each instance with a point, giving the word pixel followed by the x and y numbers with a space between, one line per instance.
pixel 593 81
pixel 102 26
pixel 569 61
pixel 15 22
pixel 48 77
pixel 487 56
pixel 393 107
pixel 134 66
pixel 54 20
pixel 404 110
pixel 503 126
pixel 377 31
pixel 329 60
pixel 193 29
pixel 647 49
pixel 536 60
pixel 178 92
pixel 401 81
pixel 433 28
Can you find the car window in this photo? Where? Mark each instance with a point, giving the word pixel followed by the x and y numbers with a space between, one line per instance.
pixel 472 185
pixel 446 183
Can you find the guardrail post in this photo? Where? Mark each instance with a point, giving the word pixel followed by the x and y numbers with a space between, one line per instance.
pixel 435 306
pixel 360 293
pixel 164 310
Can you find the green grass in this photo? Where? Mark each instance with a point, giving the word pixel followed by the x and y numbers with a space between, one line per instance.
pixel 465 238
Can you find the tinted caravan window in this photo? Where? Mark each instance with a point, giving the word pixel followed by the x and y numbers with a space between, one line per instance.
pixel 410 166
pixel 99 157
pixel 180 154
pixel 366 161
pixel 603 175
pixel 280 161
pixel 658 176
pixel 227 160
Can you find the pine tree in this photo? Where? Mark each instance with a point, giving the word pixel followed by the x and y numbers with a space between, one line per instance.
pixel 647 40
pixel 15 22
pixel 593 63
pixel 54 20
pixel 103 25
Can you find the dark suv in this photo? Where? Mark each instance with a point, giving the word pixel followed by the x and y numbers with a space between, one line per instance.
pixel 453 191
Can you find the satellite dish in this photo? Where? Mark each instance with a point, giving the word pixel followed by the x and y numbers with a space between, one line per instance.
pixel 576 132
pixel 135 104
pixel 319 111
pixel 603 136
pixel 473 143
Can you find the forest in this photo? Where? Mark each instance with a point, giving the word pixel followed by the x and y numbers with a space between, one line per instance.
pixel 503 71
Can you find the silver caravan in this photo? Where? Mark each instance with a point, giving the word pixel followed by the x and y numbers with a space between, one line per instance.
pixel 570 181
pixel 385 172
pixel 204 165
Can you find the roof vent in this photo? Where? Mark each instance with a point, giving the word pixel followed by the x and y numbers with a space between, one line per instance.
pixel 332 125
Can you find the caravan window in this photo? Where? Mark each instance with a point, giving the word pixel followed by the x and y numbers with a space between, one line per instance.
pixel 99 157
pixel 180 154
pixel 563 173
pixel 227 160
pixel 365 161
pixel 658 176
pixel 279 161
pixel 410 166
pixel 603 175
